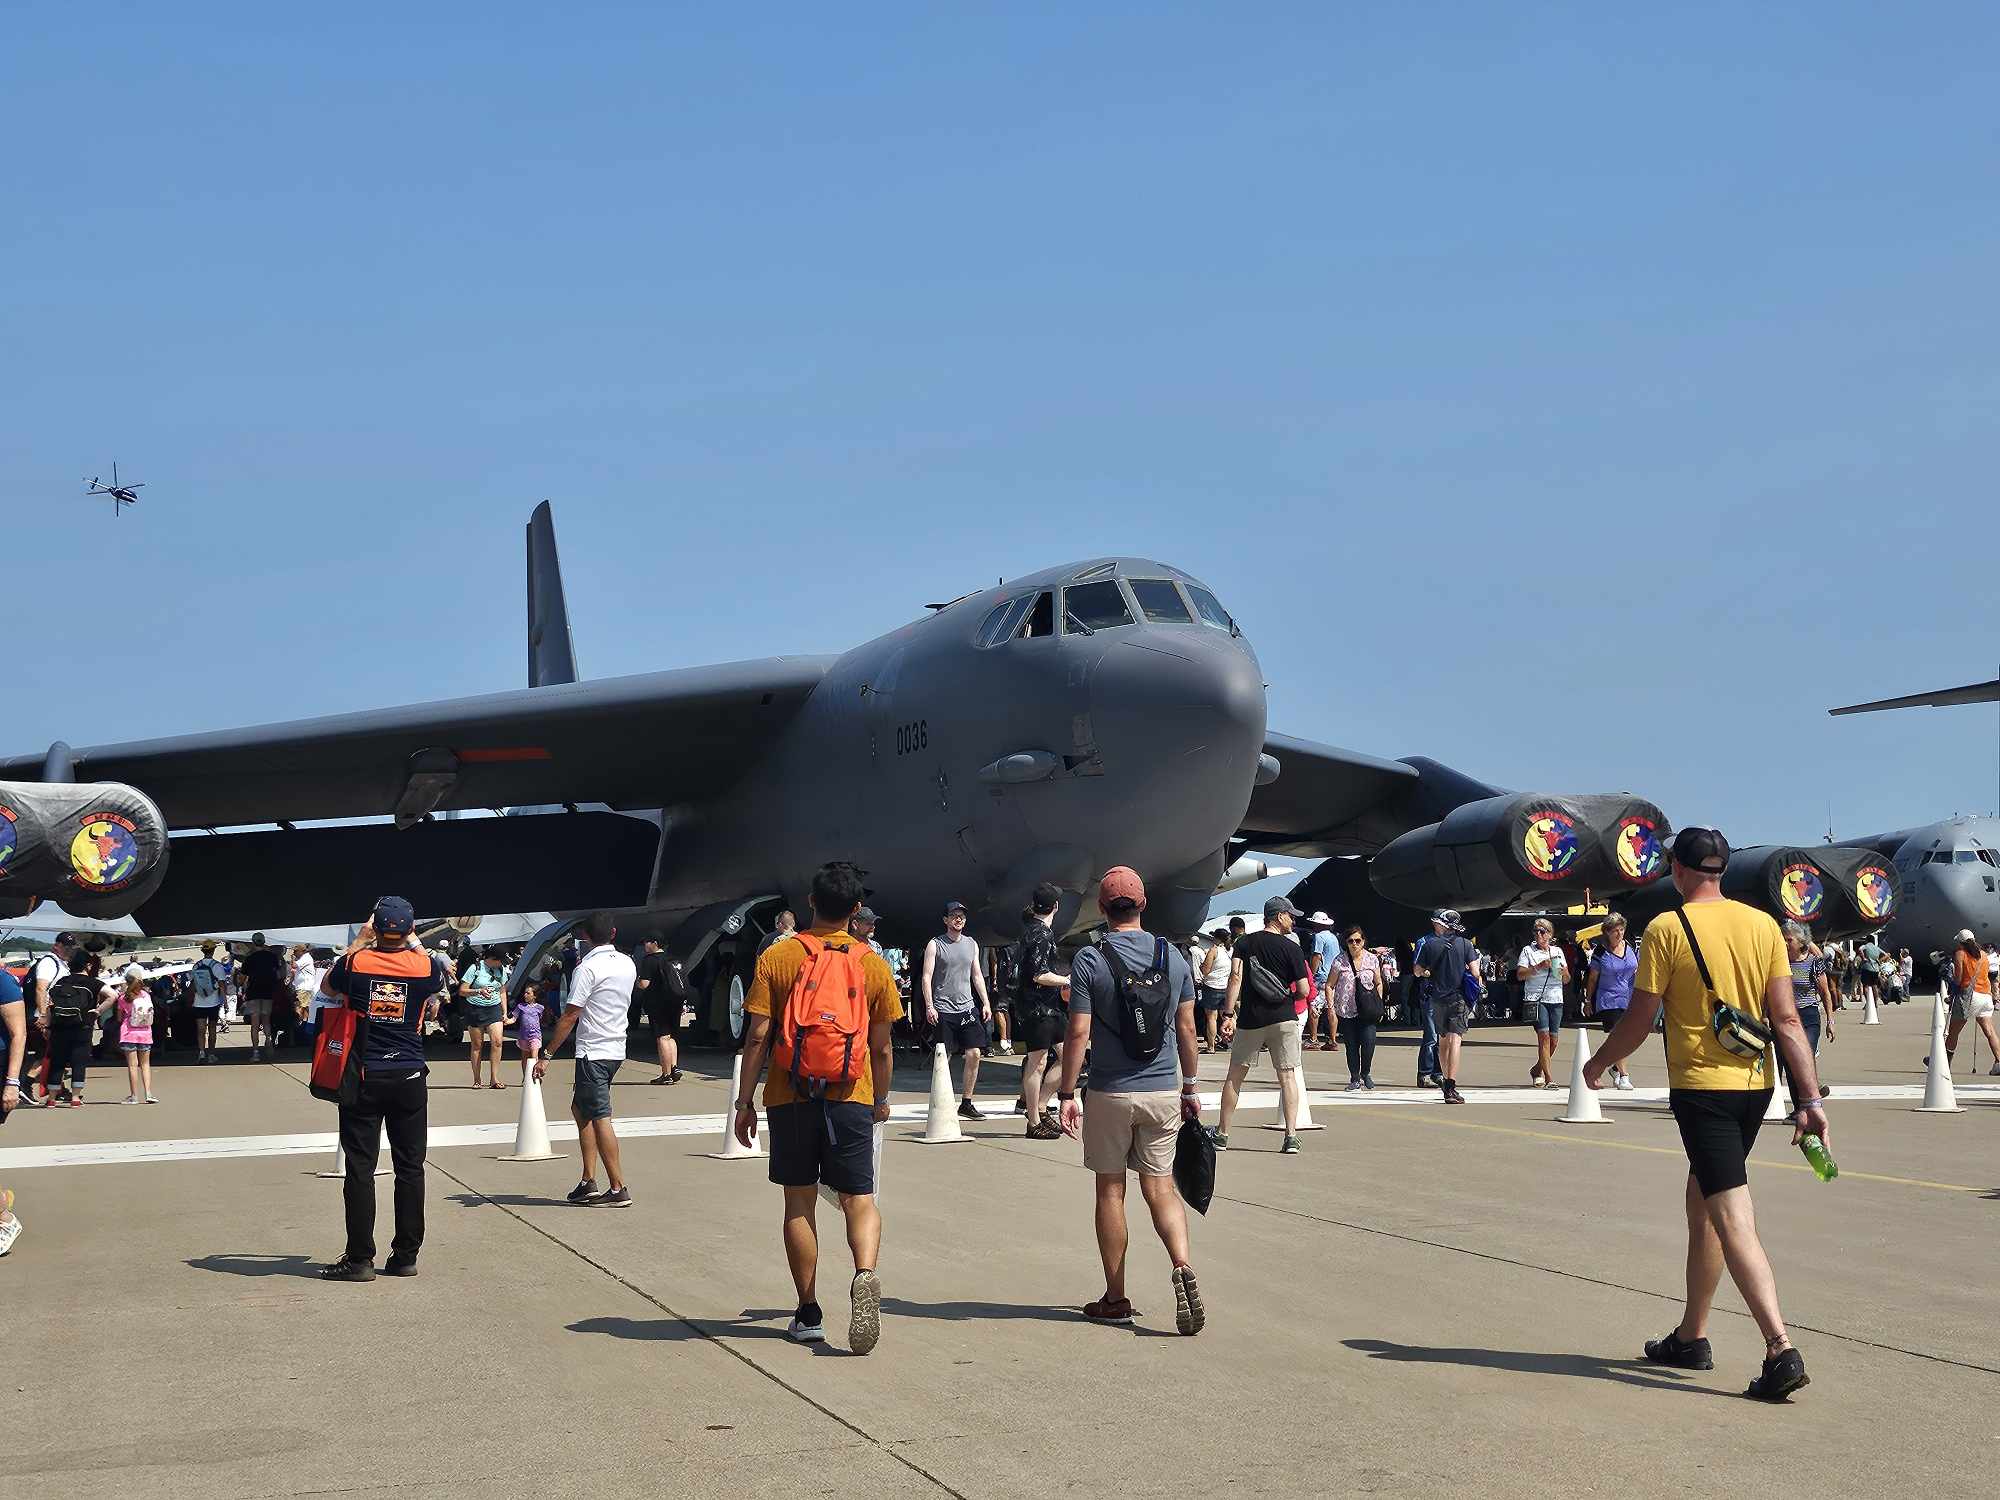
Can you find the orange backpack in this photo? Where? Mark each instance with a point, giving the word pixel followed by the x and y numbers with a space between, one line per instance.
pixel 823 1033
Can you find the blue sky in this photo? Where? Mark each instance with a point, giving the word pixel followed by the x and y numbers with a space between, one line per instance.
pixel 1586 396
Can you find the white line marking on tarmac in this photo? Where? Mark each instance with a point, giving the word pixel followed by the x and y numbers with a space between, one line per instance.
pixel 218 1148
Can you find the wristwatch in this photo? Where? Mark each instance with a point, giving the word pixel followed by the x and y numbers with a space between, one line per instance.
pixel 743 1104
pixel 1062 1098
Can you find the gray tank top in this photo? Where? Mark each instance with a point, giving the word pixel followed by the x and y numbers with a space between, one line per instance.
pixel 951 975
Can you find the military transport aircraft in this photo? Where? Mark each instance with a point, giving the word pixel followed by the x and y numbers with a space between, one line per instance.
pixel 1104 712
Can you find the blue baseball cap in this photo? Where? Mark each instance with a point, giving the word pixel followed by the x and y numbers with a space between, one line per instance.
pixel 394 915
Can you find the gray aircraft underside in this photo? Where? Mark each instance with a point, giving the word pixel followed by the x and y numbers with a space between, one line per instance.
pixel 1104 712
pixel 1950 881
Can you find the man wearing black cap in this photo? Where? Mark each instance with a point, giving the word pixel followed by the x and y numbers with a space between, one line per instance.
pixel 1440 970
pixel 1713 962
pixel 1267 980
pixel 952 980
pixel 395 987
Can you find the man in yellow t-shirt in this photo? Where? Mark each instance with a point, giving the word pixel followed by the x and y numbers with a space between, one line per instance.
pixel 1718 1098
pixel 830 1139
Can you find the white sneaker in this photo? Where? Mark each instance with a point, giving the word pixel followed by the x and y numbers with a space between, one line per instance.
pixel 1006 1049
pixel 129 1099
pixel 806 1333
pixel 10 1231
pixel 151 1100
pixel 1625 1082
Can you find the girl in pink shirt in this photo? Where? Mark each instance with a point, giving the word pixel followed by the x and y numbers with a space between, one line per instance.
pixel 135 1035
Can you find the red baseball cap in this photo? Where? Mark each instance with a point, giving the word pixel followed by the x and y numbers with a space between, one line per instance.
pixel 1121 883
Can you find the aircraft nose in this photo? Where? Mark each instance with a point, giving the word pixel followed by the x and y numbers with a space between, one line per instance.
pixel 1180 705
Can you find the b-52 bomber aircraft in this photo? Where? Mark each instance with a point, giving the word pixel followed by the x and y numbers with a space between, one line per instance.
pixel 1105 712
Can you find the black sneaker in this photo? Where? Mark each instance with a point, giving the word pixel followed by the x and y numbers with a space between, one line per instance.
pixel 583 1190
pixel 1682 1354
pixel 347 1270
pixel 675 1076
pixel 609 1198
pixel 1783 1373
pixel 967 1110
pixel 397 1266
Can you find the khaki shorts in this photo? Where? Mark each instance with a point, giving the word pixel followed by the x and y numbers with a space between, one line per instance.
pixel 1131 1132
pixel 1281 1039
pixel 257 1010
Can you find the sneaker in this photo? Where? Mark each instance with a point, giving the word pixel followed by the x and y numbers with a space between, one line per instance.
pixel 583 1190
pixel 10 1231
pixel 610 1198
pixel 864 1323
pixel 1992 1072
pixel 1021 1104
pixel 967 1110
pixel 1190 1317
pixel 1783 1373
pixel 76 1101
pixel 1220 1138
pixel 1353 1086
pixel 663 1078
pixel 1367 1082
pixel 129 1099
pixel 347 1270
pixel 1682 1354
pixel 1451 1093
pixel 675 1076
pixel 1006 1049
pixel 151 1100
pixel 1625 1082
pixel 1289 1146
pixel 1106 1310
pixel 807 1327
pixel 397 1266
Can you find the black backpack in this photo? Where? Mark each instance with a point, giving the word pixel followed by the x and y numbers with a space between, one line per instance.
pixel 1145 1005
pixel 73 997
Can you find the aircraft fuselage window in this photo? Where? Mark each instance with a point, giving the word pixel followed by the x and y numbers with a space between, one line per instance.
pixel 1209 607
pixel 1041 619
pixel 1001 624
pixel 1096 606
pixel 1160 601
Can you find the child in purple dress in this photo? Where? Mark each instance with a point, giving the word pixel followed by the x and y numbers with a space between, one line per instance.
pixel 528 1012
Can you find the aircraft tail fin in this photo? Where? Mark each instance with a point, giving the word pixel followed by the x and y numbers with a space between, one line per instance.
pixel 551 652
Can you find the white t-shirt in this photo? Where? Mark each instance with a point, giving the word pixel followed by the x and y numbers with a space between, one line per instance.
pixel 46 971
pixel 305 973
pixel 601 988
pixel 1542 986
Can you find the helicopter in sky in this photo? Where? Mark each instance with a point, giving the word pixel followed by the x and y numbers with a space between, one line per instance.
pixel 121 495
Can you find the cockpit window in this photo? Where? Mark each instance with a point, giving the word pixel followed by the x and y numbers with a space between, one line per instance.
pixel 1965 856
pixel 1987 857
pixel 1095 606
pixel 1098 570
pixel 1001 623
pixel 1160 601
pixel 1209 608
pixel 1041 619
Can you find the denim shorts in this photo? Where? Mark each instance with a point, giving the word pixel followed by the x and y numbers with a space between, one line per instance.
pixel 1549 1016
pixel 590 1095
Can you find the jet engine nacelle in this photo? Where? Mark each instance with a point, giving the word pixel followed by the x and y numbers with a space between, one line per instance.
pixel 1836 892
pixel 1491 852
pixel 97 849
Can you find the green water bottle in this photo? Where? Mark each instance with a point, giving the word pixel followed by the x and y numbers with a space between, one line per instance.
pixel 1823 1165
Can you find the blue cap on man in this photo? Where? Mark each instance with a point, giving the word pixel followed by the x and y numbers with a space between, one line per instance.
pixel 394 916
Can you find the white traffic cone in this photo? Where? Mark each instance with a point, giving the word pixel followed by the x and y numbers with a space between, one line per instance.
pixel 733 1149
pixel 339 1167
pixel 1779 1107
pixel 531 1135
pixel 1869 1015
pixel 1939 1096
pixel 1303 1121
pixel 1584 1108
pixel 941 1120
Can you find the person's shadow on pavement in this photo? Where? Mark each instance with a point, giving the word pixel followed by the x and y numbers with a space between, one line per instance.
pixel 756 1323
pixel 258 1265
pixel 1531 1362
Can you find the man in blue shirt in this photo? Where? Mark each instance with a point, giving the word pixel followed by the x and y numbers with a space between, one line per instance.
pixel 1440 968
pixel 1135 1116
pixel 1325 949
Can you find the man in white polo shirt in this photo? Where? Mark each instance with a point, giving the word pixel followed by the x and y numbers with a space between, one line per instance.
pixel 600 1000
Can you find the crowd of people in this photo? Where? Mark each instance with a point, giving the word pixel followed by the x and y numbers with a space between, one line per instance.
pixel 1112 1044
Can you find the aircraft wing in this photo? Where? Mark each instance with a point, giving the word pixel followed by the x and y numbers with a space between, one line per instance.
pixel 1977 692
pixel 1321 791
pixel 638 741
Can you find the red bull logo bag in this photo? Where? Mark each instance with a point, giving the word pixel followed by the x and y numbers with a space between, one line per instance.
pixel 336 1065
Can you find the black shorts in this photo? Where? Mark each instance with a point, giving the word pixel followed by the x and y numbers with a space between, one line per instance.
pixel 815 1142
pixel 1040 1028
pixel 1718 1128
pixel 664 1016
pixel 966 1033
pixel 590 1095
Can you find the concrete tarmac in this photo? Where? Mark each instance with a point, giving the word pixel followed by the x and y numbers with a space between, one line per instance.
pixel 1428 1297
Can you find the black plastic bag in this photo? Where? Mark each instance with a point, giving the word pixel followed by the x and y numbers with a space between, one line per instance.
pixel 1194 1165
